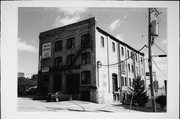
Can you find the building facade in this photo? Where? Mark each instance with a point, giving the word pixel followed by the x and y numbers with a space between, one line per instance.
pixel 86 62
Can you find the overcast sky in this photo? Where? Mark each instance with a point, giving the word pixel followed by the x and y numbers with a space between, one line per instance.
pixel 127 24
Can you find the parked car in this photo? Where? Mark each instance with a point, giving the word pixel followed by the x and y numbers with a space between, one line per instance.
pixel 58 96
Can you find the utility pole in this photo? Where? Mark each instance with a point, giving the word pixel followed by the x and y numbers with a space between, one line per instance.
pixel 150 60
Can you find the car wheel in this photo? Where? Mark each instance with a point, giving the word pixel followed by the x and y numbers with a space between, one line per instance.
pixel 57 99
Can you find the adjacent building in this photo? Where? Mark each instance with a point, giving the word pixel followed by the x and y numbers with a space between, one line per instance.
pixel 86 62
pixel 20 74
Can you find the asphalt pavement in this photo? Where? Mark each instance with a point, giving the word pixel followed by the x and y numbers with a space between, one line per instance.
pixel 27 104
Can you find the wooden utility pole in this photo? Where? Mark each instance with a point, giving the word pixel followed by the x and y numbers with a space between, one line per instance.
pixel 150 60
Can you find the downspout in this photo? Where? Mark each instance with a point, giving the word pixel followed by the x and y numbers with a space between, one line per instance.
pixel 108 64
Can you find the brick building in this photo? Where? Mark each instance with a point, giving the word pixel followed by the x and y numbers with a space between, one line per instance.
pixel 78 60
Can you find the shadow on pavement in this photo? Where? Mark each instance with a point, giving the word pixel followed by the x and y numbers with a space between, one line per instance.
pixel 139 108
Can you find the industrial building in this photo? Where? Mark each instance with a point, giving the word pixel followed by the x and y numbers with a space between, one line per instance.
pixel 86 62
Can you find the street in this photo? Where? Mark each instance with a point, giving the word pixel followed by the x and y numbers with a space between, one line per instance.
pixel 27 104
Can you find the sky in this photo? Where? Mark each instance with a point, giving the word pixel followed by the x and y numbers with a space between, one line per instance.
pixel 127 24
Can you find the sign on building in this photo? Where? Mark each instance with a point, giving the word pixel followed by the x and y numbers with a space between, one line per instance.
pixel 46 50
pixel 45 69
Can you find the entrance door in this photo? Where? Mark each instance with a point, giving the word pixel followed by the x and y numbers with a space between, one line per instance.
pixel 72 83
pixel 115 82
pixel 115 87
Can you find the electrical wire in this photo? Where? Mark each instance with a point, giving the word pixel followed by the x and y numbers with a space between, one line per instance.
pixel 126 58
pixel 160 48
pixel 158 68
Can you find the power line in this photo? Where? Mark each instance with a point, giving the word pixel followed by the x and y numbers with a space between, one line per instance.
pixel 125 59
pixel 158 68
pixel 160 48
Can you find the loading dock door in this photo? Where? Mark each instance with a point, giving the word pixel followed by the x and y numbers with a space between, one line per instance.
pixel 85 95
pixel 72 83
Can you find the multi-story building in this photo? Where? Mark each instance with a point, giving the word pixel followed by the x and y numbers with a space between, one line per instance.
pixel 86 62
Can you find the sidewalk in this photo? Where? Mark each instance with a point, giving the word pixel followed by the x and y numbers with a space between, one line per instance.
pixel 26 104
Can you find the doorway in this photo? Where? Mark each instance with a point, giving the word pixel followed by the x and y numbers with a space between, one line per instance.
pixel 115 87
pixel 72 83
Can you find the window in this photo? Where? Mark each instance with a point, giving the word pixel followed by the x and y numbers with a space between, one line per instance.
pixel 58 45
pixel 131 55
pixel 130 82
pixel 71 42
pixel 129 67
pixel 137 70
pixel 122 51
pixel 102 41
pixel 85 40
pixel 58 61
pixel 128 52
pixel 132 68
pixel 113 46
pixel 142 72
pixel 70 59
pixel 125 81
pixel 85 58
pixel 122 81
pixel 136 57
pixel 141 60
pixel 85 77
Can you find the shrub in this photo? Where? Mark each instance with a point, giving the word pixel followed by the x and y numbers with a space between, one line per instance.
pixel 161 100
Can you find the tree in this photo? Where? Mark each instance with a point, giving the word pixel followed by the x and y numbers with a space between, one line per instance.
pixel 139 91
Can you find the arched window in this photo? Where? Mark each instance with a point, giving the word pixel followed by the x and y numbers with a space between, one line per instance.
pixel 71 42
pixel 102 41
pixel 58 46
pixel 85 40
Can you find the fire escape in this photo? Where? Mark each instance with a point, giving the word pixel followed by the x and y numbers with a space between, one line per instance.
pixel 85 44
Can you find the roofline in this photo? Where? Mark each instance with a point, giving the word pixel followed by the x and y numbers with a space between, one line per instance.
pixel 86 20
pixel 115 39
